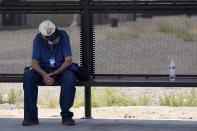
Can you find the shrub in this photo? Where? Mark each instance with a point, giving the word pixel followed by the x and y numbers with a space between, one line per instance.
pixel 1 98
pixel 178 25
pixel 144 101
pixel 173 24
pixel 40 101
pixel 123 36
pixel 191 98
pixel 53 102
pixel 79 100
pixel 14 96
pixel 180 99
pixel 106 98
pixel 110 97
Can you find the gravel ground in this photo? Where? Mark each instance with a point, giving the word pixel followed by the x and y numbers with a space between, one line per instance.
pixel 133 112
pixel 142 112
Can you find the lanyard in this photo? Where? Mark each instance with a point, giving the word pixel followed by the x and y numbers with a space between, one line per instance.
pixel 52 50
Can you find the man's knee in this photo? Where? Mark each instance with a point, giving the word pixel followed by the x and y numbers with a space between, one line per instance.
pixel 30 75
pixel 68 76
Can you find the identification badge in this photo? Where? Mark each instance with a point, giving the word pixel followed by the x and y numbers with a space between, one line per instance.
pixel 52 62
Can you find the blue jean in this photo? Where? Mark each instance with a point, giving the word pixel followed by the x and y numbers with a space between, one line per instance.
pixel 30 86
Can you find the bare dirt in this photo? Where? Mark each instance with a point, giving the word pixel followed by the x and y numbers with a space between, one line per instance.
pixel 132 112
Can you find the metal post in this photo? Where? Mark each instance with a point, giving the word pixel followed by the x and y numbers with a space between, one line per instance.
pixel 88 102
pixel 87 50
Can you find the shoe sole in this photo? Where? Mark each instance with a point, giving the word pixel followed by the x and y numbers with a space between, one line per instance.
pixel 30 124
pixel 68 124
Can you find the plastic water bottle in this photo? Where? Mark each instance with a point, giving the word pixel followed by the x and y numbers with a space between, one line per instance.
pixel 172 67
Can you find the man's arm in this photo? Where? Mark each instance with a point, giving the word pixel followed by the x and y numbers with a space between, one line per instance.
pixel 46 77
pixel 37 68
pixel 66 64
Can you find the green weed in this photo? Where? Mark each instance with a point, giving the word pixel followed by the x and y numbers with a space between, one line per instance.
pixel 14 96
pixel 180 99
pixel 53 102
pixel 177 25
pixel 111 97
pixel 40 101
pixel 1 98
pixel 187 37
pixel 144 101
pixel 123 36
pixel 79 99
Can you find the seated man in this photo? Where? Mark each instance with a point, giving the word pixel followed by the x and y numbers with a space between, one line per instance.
pixel 51 60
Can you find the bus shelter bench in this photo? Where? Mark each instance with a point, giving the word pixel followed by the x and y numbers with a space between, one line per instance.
pixel 130 81
pixel 103 80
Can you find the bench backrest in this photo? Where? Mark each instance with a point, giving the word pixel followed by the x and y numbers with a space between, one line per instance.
pixel 123 45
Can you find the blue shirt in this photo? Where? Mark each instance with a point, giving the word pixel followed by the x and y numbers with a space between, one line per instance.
pixel 42 54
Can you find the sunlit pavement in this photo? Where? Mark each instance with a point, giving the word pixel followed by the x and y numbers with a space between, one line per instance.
pixel 54 124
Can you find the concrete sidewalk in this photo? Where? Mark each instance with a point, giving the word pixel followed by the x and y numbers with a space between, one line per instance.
pixel 54 124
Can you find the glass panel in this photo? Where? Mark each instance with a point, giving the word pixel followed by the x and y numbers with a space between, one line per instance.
pixel 145 44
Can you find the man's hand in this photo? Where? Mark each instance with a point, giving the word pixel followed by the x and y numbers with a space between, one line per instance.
pixel 48 80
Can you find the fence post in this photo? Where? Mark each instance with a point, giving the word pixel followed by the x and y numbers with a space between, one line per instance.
pixel 88 102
